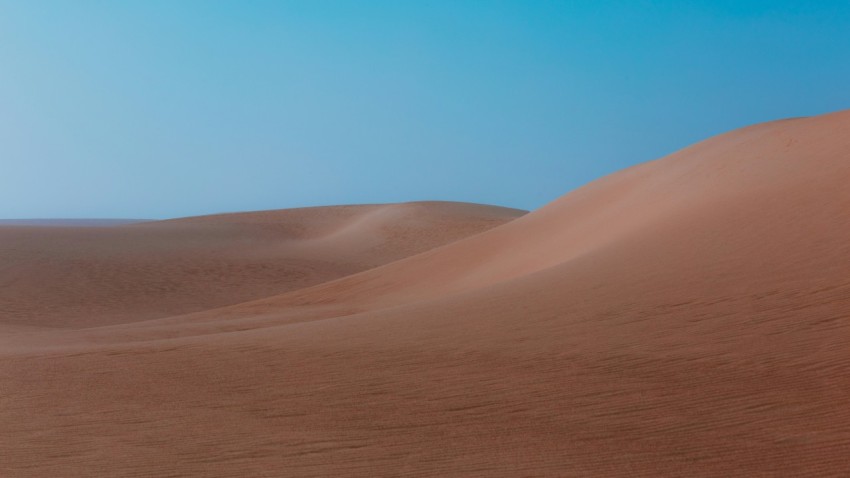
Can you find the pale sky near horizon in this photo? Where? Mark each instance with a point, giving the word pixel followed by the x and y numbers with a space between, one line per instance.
pixel 167 108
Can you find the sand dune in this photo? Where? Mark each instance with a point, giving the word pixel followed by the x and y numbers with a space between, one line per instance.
pixel 684 317
pixel 87 276
pixel 69 222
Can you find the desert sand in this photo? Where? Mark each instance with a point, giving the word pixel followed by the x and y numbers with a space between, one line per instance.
pixel 684 317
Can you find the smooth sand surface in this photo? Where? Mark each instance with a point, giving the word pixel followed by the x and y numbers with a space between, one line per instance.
pixel 684 317
pixel 70 222
pixel 88 276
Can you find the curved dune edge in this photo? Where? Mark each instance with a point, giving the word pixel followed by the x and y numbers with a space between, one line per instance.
pixel 684 317
pixel 729 172
pixel 94 276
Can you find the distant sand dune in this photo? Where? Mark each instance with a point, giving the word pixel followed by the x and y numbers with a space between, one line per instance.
pixel 684 317
pixel 84 276
pixel 69 222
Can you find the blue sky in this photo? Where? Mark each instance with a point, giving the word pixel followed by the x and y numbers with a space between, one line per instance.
pixel 165 108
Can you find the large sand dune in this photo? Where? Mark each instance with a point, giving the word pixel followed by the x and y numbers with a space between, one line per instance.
pixel 684 317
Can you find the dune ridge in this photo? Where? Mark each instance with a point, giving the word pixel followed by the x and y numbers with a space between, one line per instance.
pixel 683 317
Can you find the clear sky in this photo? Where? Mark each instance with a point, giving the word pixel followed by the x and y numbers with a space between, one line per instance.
pixel 165 108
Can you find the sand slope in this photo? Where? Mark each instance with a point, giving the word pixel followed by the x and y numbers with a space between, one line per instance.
pixel 684 317
pixel 86 276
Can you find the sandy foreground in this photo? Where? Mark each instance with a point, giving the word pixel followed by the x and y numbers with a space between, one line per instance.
pixel 689 316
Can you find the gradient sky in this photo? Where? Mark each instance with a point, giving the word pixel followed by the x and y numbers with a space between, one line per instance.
pixel 165 108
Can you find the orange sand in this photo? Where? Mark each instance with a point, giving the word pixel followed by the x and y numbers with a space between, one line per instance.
pixel 684 317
